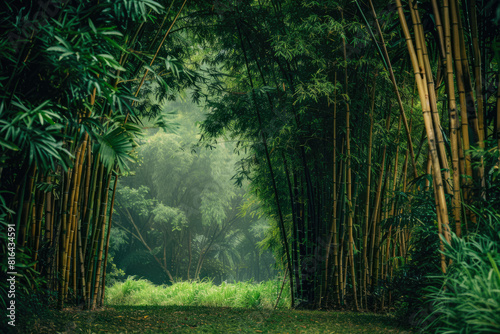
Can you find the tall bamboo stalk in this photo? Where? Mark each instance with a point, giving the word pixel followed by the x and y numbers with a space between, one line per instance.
pixel 332 237
pixel 350 208
pixel 427 73
pixel 108 235
pixel 101 233
pixel 368 194
pixel 456 52
pixel 476 52
pixel 454 124
pixel 377 205
pixel 431 138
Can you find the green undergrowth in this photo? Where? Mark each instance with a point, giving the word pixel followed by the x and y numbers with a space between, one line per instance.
pixel 203 319
pixel 139 292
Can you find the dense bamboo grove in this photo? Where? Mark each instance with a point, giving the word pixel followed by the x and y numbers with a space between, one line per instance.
pixel 359 127
pixel 69 124
pixel 351 190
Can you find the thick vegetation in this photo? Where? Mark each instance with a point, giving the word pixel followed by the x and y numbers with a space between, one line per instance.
pixel 368 136
pixel 205 293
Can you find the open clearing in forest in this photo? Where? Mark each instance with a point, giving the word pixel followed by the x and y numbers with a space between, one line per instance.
pixel 202 319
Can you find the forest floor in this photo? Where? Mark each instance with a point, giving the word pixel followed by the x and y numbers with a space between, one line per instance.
pixel 200 319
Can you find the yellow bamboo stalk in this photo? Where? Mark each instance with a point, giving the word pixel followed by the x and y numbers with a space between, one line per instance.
pixel 378 253
pixel 443 212
pixel 37 228
pixel 378 201
pixel 476 52
pixel 108 235
pixel 26 202
pixel 439 28
pixel 95 236
pixel 61 264
pixel 456 52
pixel 73 207
pixel 454 123
pixel 420 41
pixel 101 245
pixel 440 231
pixel 385 251
pixel 469 94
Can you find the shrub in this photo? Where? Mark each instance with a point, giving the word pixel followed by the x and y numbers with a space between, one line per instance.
pixel 468 301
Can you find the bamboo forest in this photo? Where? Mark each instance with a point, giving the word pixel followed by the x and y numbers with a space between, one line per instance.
pixel 256 166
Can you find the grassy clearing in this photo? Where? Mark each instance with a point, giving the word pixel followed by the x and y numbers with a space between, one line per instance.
pixel 138 306
pixel 202 319
pixel 241 294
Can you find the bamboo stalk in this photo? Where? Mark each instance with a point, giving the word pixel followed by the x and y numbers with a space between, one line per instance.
pixel 378 202
pixel 378 234
pixel 368 197
pixel 26 204
pixel 443 212
pixel 476 52
pixel 61 265
pixel 71 240
pixel 469 94
pixel 332 238
pixel 101 232
pixel 350 207
pixel 335 197
pixel 107 241
pixel 94 239
pixel 456 52
pixel 439 28
pixel 454 125
pixel 96 173
pixel 420 39
pixel 48 215
pixel 440 231
pixel 37 229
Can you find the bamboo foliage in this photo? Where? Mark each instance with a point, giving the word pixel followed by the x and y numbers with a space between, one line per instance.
pixel 335 181
pixel 62 204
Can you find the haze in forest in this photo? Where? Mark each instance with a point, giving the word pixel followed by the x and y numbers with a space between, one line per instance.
pixel 180 213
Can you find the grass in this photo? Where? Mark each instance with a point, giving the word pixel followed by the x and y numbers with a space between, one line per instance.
pixel 470 301
pixel 203 319
pixel 138 306
pixel 241 294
